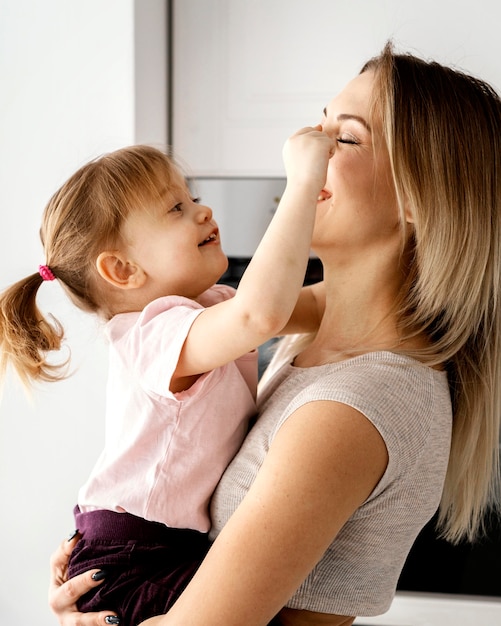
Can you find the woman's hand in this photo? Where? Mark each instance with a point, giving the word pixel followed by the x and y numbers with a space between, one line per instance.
pixel 64 593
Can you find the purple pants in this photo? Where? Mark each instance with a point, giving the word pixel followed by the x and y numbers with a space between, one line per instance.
pixel 148 565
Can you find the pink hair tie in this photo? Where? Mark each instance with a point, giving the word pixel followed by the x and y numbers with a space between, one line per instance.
pixel 45 272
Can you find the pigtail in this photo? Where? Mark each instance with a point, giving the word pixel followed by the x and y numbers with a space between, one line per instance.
pixel 26 336
pixel 83 218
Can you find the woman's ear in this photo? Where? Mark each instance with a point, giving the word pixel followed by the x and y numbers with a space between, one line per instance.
pixel 408 212
pixel 409 217
pixel 116 270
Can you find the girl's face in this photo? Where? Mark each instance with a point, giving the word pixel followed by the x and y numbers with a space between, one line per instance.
pixel 176 244
pixel 357 209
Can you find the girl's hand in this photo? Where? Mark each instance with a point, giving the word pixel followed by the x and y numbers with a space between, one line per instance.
pixel 64 593
pixel 306 155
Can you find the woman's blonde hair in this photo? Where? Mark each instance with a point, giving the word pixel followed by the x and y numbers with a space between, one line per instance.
pixel 83 218
pixel 443 132
pixel 442 128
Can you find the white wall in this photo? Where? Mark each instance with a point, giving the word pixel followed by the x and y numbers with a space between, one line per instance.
pixel 68 92
pixel 77 78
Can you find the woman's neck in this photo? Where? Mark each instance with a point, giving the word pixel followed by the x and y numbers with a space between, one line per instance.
pixel 361 315
pixel 332 346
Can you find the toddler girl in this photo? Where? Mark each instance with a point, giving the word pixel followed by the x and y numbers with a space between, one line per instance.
pixel 126 240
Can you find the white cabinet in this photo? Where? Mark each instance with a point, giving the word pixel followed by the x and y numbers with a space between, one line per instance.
pixel 244 79
pixel 248 73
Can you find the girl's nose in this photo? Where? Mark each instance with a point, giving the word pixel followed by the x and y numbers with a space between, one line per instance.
pixel 204 213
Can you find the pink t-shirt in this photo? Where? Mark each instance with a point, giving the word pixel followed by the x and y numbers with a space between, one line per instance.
pixel 165 452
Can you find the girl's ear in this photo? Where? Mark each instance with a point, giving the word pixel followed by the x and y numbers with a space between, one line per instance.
pixel 119 272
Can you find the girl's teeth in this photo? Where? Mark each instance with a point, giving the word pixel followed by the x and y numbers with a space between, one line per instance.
pixel 209 238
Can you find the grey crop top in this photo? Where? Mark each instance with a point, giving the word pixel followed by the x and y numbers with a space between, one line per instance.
pixel 409 403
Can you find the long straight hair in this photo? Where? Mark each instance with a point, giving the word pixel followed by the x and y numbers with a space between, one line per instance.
pixel 443 132
pixel 442 128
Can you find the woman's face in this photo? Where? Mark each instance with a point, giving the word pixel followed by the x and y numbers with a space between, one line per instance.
pixel 357 209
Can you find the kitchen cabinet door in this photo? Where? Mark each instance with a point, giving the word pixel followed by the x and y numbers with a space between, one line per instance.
pixel 248 73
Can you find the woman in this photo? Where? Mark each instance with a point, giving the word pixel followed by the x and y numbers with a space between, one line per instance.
pixel 350 456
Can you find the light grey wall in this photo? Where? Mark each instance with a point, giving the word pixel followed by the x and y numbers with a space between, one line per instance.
pixel 78 78
pixel 69 78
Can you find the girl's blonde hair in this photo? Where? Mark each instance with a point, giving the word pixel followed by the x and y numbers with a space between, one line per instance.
pixel 443 132
pixel 83 218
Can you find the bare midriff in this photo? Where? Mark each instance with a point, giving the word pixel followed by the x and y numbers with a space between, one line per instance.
pixel 295 617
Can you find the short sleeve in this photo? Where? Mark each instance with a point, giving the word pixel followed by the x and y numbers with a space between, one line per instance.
pixel 149 343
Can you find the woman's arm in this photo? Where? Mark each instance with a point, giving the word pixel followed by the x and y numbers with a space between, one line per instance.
pixel 287 520
pixel 278 533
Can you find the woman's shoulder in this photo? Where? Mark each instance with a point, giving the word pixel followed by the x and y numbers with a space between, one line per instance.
pixel 376 370
pixel 396 393
pixel 381 383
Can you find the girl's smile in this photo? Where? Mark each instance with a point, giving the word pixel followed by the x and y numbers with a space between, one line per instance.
pixel 178 249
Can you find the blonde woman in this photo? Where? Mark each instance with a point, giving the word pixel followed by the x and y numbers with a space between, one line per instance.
pixel 391 408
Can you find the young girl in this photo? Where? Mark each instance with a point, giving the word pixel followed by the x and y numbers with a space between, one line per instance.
pixel 126 240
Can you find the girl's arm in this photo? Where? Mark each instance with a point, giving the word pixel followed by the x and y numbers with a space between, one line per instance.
pixel 270 286
pixel 287 520
pixel 308 311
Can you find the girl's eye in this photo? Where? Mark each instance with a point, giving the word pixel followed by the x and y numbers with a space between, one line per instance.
pixel 177 207
pixel 196 200
pixel 347 138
